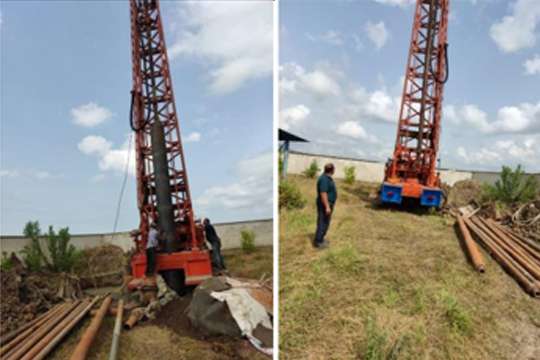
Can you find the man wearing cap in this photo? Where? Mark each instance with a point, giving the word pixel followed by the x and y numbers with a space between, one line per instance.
pixel 326 199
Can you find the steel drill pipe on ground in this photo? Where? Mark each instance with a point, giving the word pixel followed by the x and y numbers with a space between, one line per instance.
pixel 117 330
pixel 531 247
pixel 507 263
pixel 81 351
pixel 47 349
pixel 20 339
pixel 24 334
pixel 472 248
pixel 44 329
pixel 517 246
pixel 515 253
pixel 51 334
pixel 11 335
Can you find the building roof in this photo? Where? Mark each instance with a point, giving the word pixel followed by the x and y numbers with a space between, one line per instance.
pixel 287 136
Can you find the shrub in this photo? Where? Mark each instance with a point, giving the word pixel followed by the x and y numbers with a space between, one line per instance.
pixel 350 174
pixel 32 254
pixel 64 255
pixel 248 241
pixel 290 196
pixel 5 263
pixel 514 186
pixel 312 170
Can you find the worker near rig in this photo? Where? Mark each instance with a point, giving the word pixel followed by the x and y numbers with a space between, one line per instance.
pixel 215 241
pixel 326 199
pixel 151 249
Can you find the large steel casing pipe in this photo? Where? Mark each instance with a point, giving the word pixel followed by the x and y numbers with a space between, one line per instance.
pixel 163 188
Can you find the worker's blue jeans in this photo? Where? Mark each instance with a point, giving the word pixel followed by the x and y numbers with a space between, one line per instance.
pixel 217 258
pixel 323 222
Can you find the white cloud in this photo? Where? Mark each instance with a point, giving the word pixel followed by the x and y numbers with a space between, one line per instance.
pixel 532 66
pixel 203 30
pixel 332 37
pixel 293 116
pixel 252 190
pixel 94 145
pixel 400 3
pixel 109 159
pixel 90 115
pixel 9 173
pixel 352 129
pixel 319 82
pixel 523 118
pixel 518 30
pixel 377 33
pixel 193 137
pixel 42 174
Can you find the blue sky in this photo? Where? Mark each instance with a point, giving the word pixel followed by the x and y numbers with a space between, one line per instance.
pixel 342 65
pixel 65 82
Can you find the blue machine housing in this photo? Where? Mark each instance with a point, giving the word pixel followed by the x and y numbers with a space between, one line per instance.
pixel 391 193
pixel 431 197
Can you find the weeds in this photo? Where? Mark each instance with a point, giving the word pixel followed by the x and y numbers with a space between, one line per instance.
pixel 290 196
pixel 32 254
pixel 345 260
pixel 458 318
pixel 248 241
pixel 350 174
pixel 5 263
pixel 376 340
pixel 312 170
pixel 514 186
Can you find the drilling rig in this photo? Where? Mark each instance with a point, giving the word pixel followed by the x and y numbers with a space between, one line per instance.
pixel 163 194
pixel 412 171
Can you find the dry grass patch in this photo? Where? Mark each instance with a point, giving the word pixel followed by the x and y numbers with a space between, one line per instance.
pixel 393 285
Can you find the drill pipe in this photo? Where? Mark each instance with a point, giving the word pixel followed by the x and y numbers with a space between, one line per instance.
pixel 514 269
pixel 163 187
pixel 134 317
pixel 472 248
pixel 64 331
pixel 35 337
pixel 11 335
pixel 117 330
pixel 532 247
pixel 522 259
pixel 84 344
pixel 24 334
pixel 58 328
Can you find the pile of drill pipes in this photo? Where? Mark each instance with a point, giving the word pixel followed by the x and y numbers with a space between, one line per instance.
pixel 37 338
pixel 519 256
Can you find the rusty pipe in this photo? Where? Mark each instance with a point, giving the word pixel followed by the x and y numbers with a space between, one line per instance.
pixel 58 328
pixel 24 335
pixel 117 330
pixel 507 263
pixel 521 258
pixel 65 330
pixel 531 247
pixel 518 236
pixel 134 317
pixel 472 248
pixel 84 344
pixel 13 334
pixel 35 337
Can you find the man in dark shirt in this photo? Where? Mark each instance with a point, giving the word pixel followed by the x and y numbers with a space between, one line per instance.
pixel 326 199
pixel 215 241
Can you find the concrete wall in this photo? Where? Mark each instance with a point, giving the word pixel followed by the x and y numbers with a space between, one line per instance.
pixel 228 232
pixel 373 171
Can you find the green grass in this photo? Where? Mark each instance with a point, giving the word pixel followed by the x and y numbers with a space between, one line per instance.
pixel 393 285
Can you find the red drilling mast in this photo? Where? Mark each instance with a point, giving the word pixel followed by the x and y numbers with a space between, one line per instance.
pixel 411 173
pixel 163 192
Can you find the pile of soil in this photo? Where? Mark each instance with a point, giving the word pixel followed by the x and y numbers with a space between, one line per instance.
pixel 25 295
pixel 526 219
pixel 463 193
pixel 102 266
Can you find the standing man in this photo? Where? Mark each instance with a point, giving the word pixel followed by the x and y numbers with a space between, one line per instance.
pixel 215 241
pixel 151 248
pixel 326 199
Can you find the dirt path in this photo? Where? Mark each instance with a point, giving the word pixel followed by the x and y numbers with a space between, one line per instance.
pixel 395 285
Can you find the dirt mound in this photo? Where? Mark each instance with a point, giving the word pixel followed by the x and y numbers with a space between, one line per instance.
pixel 102 266
pixel 464 192
pixel 26 295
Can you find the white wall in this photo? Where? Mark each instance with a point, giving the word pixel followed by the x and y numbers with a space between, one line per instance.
pixel 370 171
pixel 228 232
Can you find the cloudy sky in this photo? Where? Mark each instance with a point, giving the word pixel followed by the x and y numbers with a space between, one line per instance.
pixel 342 65
pixel 65 82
